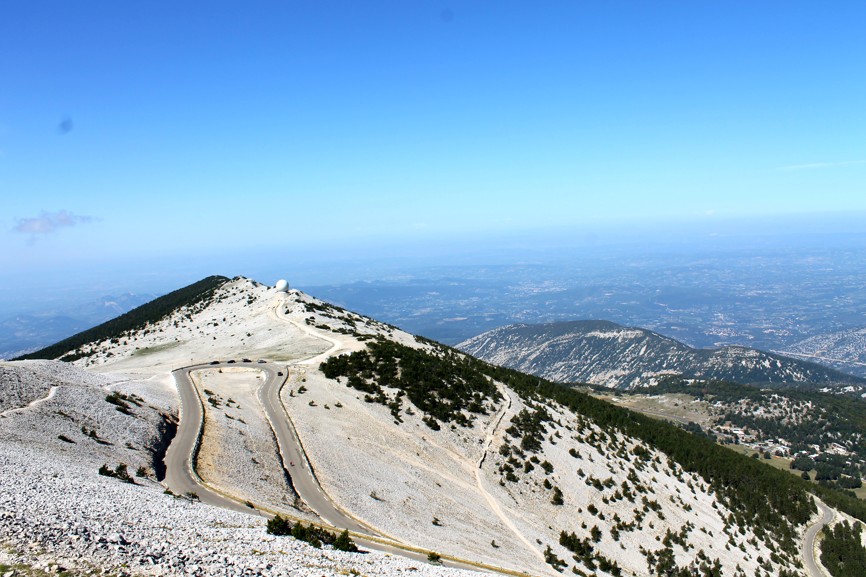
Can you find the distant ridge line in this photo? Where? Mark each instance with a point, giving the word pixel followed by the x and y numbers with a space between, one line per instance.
pixel 618 356
pixel 135 319
pixel 823 358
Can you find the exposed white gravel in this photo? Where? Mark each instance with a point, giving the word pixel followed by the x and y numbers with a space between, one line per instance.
pixel 397 478
pixel 239 321
pixel 55 509
pixel 19 388
pixel 682 498
pixel 52 509
pixel 239 454
pixel 25 382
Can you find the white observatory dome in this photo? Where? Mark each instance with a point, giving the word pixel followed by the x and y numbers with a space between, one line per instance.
pixel 282 285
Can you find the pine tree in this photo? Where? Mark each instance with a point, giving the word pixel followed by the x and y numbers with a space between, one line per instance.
pixel 344 543
pixel 279 526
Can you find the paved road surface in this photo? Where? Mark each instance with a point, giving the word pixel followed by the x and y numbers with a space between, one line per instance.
pixel 303 478
pixel 809 541
pixel 181 478
pixel 179 474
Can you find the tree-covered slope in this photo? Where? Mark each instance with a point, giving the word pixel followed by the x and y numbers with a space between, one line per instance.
pixel 824 433
pixel 842 551
pixel 605 353
pixel 135 319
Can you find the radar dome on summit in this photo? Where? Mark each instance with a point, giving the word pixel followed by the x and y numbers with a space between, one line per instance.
pixel 282 286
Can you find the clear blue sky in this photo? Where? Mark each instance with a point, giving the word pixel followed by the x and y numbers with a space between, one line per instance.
pixel 147 129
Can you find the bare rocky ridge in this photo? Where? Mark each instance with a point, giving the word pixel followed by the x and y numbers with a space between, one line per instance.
pixel 75 519
pixel 456 490
pixel 604 353
pixel 843 350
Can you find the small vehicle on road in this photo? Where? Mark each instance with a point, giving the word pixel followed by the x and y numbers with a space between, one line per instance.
pixel 231 361
pixel 214 362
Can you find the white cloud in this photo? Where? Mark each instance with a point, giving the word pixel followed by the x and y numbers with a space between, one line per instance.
pixel 48 222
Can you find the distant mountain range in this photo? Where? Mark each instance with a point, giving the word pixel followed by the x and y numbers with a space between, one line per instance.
pixel 24 333
pixel 605 353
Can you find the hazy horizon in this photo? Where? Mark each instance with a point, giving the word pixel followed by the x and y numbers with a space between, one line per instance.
pixel 143 148
pixel 84 277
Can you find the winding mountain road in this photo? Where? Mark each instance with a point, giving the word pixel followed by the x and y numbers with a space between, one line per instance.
pixel 812 566
pixel 291 450
pixel 182 479
pixel 180 475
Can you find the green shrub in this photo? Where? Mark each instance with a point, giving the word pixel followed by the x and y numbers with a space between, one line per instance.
pixel 119 472
pixel 344 543
pixel 279 526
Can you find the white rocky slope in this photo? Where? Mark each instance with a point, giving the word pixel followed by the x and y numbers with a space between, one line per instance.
pixel 401 477
pixel 456 490
pixel 56 510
